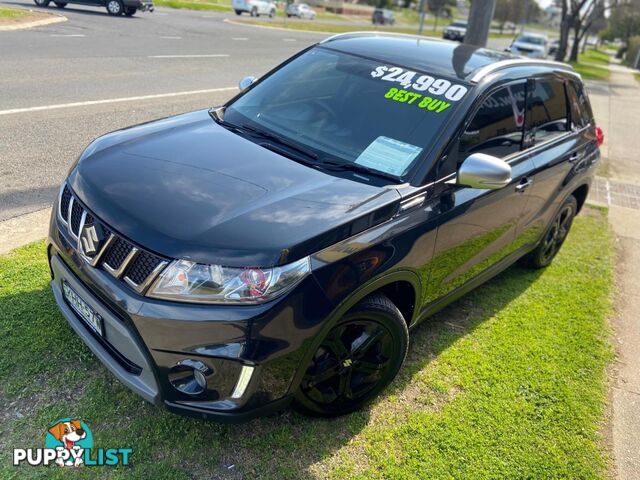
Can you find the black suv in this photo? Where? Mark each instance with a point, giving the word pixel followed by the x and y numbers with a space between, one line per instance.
pixel 225 262
pixel 382 16
pixel 114 7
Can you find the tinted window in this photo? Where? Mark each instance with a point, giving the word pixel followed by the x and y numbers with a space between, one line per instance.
pixel 496 128
pixel 349 109
pixel 580 109
pixel 547 111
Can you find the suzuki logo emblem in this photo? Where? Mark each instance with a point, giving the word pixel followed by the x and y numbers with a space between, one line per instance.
pixel 89 240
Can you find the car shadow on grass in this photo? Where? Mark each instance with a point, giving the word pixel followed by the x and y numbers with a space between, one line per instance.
pixel 51 374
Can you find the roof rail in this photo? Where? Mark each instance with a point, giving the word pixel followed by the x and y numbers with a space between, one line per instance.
pixel 377 33
pixel 482 72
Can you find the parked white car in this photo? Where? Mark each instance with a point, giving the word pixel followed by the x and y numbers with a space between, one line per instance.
pixel 300 10
pixel 255 7
pixel 532 45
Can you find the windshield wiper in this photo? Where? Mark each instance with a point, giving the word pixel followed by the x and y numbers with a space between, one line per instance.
pixel 278 139
pixel 355 167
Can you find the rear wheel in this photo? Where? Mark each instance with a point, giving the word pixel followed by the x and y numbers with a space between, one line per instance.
pixel 254 12
pixel 357 359
pixel 272 13
pixel 114 7
pixel 554 237
pixel 41 3
pixel 130 11
pixel 238 12
pixel 60 4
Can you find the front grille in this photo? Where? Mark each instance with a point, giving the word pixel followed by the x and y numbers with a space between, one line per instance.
pixel 142 267
pixel 117 253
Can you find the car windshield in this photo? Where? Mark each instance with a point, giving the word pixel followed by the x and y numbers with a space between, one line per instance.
pixel 348 111
pixel 459 24
pixel 533 40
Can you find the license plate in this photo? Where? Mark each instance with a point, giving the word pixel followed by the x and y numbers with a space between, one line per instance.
pixel 84 311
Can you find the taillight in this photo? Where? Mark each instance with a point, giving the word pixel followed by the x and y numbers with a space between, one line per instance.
pixel 599 136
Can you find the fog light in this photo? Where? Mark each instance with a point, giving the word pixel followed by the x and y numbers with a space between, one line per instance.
pixel 189 376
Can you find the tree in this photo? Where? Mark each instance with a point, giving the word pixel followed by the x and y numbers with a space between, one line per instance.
pixel 624 21
pixel 508 11
pixel 437 7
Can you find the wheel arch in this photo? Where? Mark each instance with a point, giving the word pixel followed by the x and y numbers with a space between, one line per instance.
pixel 396 284
pixel 581 194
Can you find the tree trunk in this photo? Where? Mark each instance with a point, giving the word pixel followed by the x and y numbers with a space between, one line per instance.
pixel 575 48
pixel 480 16
pixel 435 22
pixel 561 53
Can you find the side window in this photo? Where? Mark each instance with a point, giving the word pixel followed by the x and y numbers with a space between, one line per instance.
pixel 497 127
pixel 580 109
pixel 547 110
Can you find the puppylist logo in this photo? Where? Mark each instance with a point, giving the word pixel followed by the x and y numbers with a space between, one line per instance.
pixel 69 443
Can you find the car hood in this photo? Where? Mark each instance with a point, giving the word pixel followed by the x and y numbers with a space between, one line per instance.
pixel 185 187
pixel 528 46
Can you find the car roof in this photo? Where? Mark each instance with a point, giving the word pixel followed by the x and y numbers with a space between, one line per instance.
pixel 465 62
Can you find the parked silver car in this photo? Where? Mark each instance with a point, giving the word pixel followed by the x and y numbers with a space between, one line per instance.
pixel 532 45
pixel 254 7
pixel 301 10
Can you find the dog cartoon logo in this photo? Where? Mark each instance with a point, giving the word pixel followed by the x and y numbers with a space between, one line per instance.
pixel 72 435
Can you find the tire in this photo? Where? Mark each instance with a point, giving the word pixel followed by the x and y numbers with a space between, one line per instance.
pixel 554 236
pixel 238 12
pixel 272 13
pixel 114 7
pixel 254 12
pixel 60 4
pixel 341 377
pixel 130 11
pixel 41 3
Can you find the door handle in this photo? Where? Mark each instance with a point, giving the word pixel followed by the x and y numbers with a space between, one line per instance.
pixel 524 184
pixel 575 157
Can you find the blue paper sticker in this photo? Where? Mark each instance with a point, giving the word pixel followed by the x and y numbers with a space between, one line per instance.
pixel 388 155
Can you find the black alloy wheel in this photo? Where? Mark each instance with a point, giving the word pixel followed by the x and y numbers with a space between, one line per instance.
pixel 555 235
pixel 357 359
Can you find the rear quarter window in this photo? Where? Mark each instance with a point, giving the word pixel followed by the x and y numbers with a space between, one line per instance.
pixel 547 112
pixel 580 109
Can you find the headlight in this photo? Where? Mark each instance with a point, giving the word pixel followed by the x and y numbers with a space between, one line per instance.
pixel 186 281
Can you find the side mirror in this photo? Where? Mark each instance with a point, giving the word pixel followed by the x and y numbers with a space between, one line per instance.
pixel 484 171
pixel 246 83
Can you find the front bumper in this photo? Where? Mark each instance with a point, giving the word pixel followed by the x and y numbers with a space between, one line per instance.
pixel 143 6
pixel 145 340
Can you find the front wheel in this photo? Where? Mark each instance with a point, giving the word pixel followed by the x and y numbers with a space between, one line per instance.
pixel 238 12
pixel 254 12
pixel 554 237
pixel 357 359
pixel 41 3
pixel 272 13
pixel 130 11
pixel 114 7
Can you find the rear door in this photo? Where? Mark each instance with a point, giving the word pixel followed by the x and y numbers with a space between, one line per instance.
pixel 479 227
pixel 556 136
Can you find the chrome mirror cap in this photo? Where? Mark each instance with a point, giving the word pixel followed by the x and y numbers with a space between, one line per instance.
pixel 246 83
pixel 484 171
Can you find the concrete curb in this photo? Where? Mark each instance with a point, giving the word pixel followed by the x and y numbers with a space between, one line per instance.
pixel 56 18
pixel 24 229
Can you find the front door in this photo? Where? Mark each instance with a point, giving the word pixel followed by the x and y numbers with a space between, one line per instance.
pixel 478 227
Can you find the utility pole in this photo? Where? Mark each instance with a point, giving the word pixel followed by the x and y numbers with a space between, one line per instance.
pixel 479 22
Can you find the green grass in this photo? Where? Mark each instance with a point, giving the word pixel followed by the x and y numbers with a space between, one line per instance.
pixel 12 13
pixel 637 75
pixel 509 382
pixel 592 65
pixel 312 26
pixel 194 5
pixel 595 56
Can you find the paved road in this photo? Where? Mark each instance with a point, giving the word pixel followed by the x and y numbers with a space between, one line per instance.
pixel 96 57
